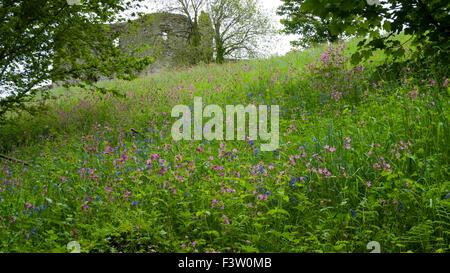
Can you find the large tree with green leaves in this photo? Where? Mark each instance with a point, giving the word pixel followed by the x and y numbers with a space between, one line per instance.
pixel 426 21
pixel 311 28
pixel 238 27
pixel 44 41
pixel 236 24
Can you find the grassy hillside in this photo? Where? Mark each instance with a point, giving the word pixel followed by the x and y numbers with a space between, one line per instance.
pixel 363 156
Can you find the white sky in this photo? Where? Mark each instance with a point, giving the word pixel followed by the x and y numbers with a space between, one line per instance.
pixel 283 45
pixel 282 41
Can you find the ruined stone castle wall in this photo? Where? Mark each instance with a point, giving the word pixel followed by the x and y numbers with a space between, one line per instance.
pixel 165 35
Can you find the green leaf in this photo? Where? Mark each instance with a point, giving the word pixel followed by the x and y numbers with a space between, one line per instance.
pixel 387 26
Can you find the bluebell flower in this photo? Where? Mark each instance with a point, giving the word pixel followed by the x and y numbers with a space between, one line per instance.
pixel 353 213
pixel 34 230
pixel 293 181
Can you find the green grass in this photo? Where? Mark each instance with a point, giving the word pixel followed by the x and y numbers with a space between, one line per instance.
pixel 361 159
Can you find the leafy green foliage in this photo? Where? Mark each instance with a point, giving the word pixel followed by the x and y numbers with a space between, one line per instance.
pixel 51 41
pixel 238 24
pixel 364 156
pixel 427 23
pixel 313 29
pixel 234 25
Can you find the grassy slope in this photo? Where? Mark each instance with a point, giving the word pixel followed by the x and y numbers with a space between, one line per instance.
pixel 370 164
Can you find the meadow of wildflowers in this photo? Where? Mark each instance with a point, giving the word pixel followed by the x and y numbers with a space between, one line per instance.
pixel 363 156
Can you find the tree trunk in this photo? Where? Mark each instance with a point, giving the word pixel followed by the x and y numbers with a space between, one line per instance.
pixel 220 52
pixel 195 35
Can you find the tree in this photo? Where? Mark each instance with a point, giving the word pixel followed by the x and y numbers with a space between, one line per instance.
pixel 192 10
pixel 197 35
pixel 427 22
pixel 313 29
pixel 237 24
pixel 46 41
pixel 206 48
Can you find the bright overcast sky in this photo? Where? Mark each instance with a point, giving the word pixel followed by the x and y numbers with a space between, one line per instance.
pixel 283 45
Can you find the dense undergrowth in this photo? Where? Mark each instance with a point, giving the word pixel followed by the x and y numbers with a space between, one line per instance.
pixel 364 156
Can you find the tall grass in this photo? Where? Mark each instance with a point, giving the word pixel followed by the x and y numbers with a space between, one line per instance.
pixel 363 157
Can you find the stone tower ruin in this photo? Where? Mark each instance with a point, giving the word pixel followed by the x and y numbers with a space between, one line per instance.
pixel 167 37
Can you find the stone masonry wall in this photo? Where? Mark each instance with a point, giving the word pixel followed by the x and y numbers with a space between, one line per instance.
pixel 165 34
